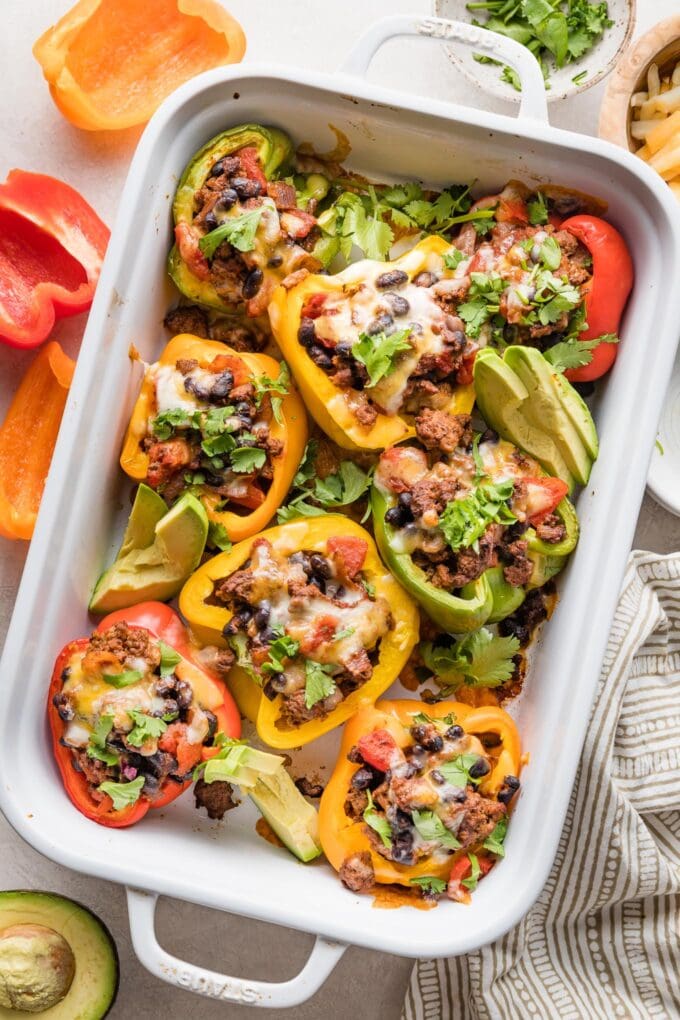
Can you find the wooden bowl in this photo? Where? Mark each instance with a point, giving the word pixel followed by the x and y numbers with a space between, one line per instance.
pixel 661 45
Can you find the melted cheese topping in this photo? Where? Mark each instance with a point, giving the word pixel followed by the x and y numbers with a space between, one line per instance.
pixel 170 392
pixel 92 697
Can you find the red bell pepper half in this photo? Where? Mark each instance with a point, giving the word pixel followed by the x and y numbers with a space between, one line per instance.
pixel 606 293
pixel 52 244
pixel 164 624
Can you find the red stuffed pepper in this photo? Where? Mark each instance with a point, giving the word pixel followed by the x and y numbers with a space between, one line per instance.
pixel 132 711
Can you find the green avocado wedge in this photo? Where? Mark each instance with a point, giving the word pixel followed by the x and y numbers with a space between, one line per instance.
pixel 526 401
pixel 456 614
pixel 159 569
pixel 57 960
pixel 264 778
pixel 147 510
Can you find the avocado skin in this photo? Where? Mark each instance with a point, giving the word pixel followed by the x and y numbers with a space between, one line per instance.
pixel 526 401
pixel 156 571
pixel 95 985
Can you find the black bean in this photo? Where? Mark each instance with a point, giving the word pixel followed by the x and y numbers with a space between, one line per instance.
pixel 489 436
pixel 211 220
pixel 512 782
pixel 252 283
pixel 185 695
pixel 411 768
pixel 228 198
pixel 198 388
pixel 261 617
pixel 381 324
pixel 393 278
pixel 212 725
pixel 424 279
pixel 362 778
pixel 437 776
pixel 586 389
pixel 398 304
pixel 398 516
pixel 275 261
pixel 480 768
pixel 399 820
pixel 402 847
pixel 307 333
pixel 404 499
pixel 269 690
pixel 63 706
pixel 245 188
pixel 223 384
pixel 212 479
pixel 416 328
pixel 320 565
pixel 217 169
pixel 455 732
pixel 65 674
pixel 267 635
pixel 166 686
pixel 319 357
pixel 170 707
pixel 245 420
pixel 343 349
pixel 242 407
pixel 454 796
pixel 355 756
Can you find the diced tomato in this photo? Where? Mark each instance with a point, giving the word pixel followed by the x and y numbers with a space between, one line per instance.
pixel 228 363
pixel 462 869
pixel 245 493
pixel 380 750
pixel 259 654
pixel 187 242
pixel 349 553
pixel 174 741
pixel 512 210
pixel 543 495
pixel 313 306
pixel 464 374
pixel 554 220
pixel 250 166
pixel 323 630
pixel 297 223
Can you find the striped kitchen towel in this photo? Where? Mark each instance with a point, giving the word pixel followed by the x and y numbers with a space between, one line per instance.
pixel 603 939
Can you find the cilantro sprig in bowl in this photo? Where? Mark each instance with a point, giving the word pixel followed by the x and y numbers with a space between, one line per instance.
pixel 576 42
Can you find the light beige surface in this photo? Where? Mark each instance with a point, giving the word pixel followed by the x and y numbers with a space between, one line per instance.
pixel 365 985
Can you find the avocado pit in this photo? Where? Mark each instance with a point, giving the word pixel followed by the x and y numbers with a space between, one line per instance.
pixel 37 967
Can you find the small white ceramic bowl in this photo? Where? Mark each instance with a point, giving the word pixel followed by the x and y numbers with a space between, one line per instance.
pixel 598 62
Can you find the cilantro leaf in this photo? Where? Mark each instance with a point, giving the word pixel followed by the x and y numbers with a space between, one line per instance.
pixel 481 659
pixel 378 822
pixel 96 747
pixel 346 486
pixel 123 794
pixel 442 721
pixel 453 258
pixel 264 384
pixel 307 469
pixel 430 884
pixel 378 352
pixel 574 353
pixel 239 231
pixel 245 459
pixel 169 659
pixel 550 253
pixel 457 771
pixel 147 727
pixel 465 520
pixel 218 536
pixel 495 841
pixel 480 471
pixel 283 647
pixel 471 882
pixel 165 423
pixel 538 210
pixel 126 679
pixel 430 827
pixel 318 683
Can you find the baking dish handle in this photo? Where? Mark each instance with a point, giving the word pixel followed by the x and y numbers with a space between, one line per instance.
pixel 280 995
pixel 533 105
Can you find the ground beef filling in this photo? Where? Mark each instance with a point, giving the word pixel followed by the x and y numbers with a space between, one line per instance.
pixel 178 458
pixel 114 651
pixel 425 484
pixel 312 630
pixel 415 800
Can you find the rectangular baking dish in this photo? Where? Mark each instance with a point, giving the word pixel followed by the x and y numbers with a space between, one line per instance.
pixel 230 867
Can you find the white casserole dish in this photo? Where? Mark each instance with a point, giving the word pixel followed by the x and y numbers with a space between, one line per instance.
pixel 230 867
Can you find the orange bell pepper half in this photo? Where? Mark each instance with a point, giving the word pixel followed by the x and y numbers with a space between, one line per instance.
pixel 111 63
pixel 27 438
pixel 52 244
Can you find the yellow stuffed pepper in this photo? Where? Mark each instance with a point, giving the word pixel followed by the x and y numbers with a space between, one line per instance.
pixel 419 796
pixel 225 425
pixel 319 628
pixel 374 345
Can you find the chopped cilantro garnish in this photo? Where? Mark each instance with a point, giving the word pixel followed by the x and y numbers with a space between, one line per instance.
pixel 431 828
pixel 218 536
pixel 574 353
pixel 465 520
pixel 343 487
pixel 318 682
pixel 123 794
pixel 495 841
pixel 246 459
pixel 147 727
pixel 457 771
pixel 169 659
pixel 538 212
pixel 481 659
pixel 378 822
pixel 471 882
pixel 430 884
pixel 379 352
pixel 283 647
pixel 126 679
pixel 96 747
pixel 239 231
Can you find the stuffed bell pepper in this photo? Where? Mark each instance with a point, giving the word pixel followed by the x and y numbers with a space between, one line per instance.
pixel 238 228
pixel 319 628
pixel 226 426
pixel 420 796
pixel 132 710
pixel 468 523
pixel 534 273
pixel 375 344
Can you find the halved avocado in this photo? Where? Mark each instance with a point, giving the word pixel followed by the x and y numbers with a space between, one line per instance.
pixel 159 570
pixel 42 935
pixel 264 778
pixel 147 510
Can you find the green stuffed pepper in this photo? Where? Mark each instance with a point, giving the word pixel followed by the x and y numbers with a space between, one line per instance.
pixel 469 523
pixel 238 223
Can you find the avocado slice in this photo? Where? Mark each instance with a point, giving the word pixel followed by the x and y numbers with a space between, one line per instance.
pixel 264 778
pixel 159 570
pixel 503 401
pixel 57 959
pixel 580 415
pixel 147 510
pixel 547 407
